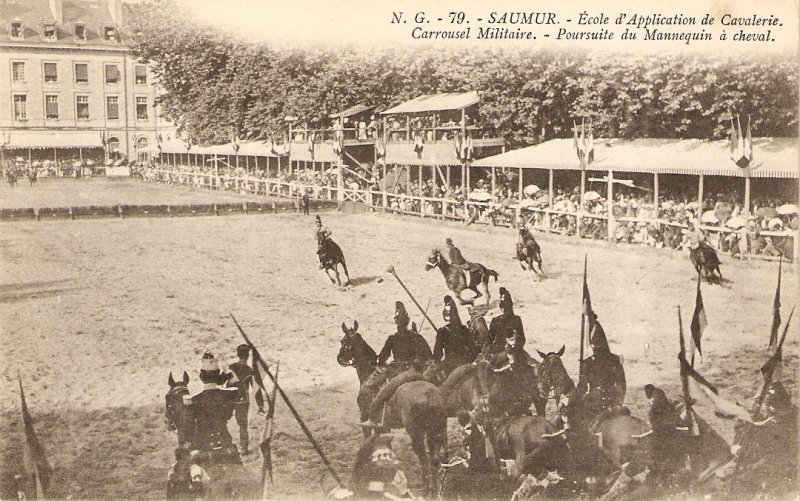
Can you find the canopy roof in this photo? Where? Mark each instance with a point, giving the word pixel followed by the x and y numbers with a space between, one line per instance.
pixel 43 139
pixel 353 110
pixel 772 157
pixel 251 148
pixel 436 102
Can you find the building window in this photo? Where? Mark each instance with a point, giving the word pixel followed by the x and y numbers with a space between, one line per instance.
pixel 141 143
pixel 112 107
pixel 20 107
pixel 141 74
pixel 81 73
pixel 49 32
pixel 51 107
pixel 82 107
pixel 18 72
pixel 112 74
pixel 16 29
pixel 80 32
pixel 110 34
pixel 141 108
pixel 50 72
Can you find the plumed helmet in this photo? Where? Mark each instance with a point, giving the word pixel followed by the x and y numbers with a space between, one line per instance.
pixel 209 369
pixel 450 311
pixel 505 299
pixel 400 314
pixel 449 241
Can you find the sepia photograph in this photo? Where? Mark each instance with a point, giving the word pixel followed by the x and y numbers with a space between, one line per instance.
pixel 399 249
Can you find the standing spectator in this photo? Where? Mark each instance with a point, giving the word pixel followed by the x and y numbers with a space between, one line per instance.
pixel 305 203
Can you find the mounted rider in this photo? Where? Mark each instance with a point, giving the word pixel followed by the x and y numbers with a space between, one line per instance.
pixel 526 237
pixel 602 384
pixel 503 326
pixel 666 456
pixel 211 409
pixel 323 235
pixel 454 345
pixel 409 351
pixel 510 394
pixel 457 259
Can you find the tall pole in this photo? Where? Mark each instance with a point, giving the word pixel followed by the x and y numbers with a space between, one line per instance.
pixel 655 195
pixel 391 270
pixel 610 206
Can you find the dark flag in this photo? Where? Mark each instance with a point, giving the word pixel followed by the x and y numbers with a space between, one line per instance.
pixel 36 466
pixel 776 313
pixel 418 144
pixel 699 321
pixel 266 436
pixel 706 393
pixel 769 369
pixel 735 151
pixel 587 300
pixel 590 145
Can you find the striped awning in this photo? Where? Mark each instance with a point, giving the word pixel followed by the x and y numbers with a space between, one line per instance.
pixel 436 102
pixel 772 157
pixel 250 148
pixel 47 139
pixel 353 110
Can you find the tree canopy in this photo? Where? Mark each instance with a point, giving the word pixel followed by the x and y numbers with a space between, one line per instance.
pixel 215 86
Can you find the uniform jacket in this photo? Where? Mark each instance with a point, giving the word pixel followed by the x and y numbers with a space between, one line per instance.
pixel 405 346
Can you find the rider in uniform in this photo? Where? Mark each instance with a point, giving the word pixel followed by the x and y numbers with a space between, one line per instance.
pixel 322 234
pixel 212 408
pixel 603 383
pixel 666 456
pixel 696 238
pixel 456 258
pixel 409 351
pixel 510 394
pixel 454 346
pixel 241 378
pixel 502 326
pixel 526 236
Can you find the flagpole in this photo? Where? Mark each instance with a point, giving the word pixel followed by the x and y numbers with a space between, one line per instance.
pixel 291 407
pixel 583 320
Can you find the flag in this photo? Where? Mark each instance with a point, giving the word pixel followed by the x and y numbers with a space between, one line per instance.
pixel 590 145
pixel 457 145
pixel 708 395
pixel 748 143
pixel 577 143
pixel 311 145
pixel 587 300
pixel 266 436
pixel 776 313
pixel 418 145
pixel 581 144
pixel 36 466
pixel 769 369
pixel 380 147
pixel 466 148
pixel 735 154
pixel 699 321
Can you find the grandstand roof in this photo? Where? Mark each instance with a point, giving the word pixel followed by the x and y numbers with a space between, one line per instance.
pixel 353 110
pixel 772 157
pixel 436 102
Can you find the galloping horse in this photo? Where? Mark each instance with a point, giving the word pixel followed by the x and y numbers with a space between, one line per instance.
pixel 332 256
pixel 456 279
pixel 706 262
pixel 178 417
pixel 416 406
pixel 528 254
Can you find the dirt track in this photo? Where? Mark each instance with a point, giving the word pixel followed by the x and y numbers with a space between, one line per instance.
pixel 96 313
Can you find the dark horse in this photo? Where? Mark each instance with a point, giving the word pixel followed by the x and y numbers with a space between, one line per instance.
pixel 331 256
pixel 178 417
pixel 706 262
pixel 529 253
pixel 456 279
pixel 11 177
pixel 416 406
pixel 228 481
pixel 32 177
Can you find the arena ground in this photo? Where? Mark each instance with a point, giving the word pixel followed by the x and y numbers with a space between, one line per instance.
pixel 96 313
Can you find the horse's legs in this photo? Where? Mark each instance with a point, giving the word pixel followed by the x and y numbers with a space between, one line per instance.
pixel 336 271
pixel 328 272
pixel 344 266
pixel 418 446
pixel 540 404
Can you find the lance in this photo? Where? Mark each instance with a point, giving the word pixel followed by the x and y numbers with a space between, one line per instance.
pixel 391 270
pixel 285 398
pixel 774 360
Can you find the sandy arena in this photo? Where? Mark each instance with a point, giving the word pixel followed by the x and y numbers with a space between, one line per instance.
pixel 96 313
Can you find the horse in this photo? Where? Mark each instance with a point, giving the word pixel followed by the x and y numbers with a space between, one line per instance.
pixel 11 177
pixel 32 177
pixel 228 481
pixel 528 253
pixel 178 418
pixel 331 256
pixel 417 406
pixel 456 280
pixel 706 263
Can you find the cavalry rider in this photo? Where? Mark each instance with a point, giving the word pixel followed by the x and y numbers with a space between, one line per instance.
pixel 241 378
pixel 454 346
pixel 666 449
pixel 697 238
pixel 603 380
pixel 211 409
pixel 456 259
pixel 510 394
pixel 409 351
pixel 322 234
pixel 526 237
pixel 503 325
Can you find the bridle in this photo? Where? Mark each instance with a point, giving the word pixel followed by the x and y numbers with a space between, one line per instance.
pixel 171 394
pixel 546 379
pixel 347 346
pixel 434 260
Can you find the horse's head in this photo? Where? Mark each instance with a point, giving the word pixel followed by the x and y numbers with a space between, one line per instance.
pixel 347 351
pixel 433 372
pixel 553 377
pixel 174 401
pixel 434 260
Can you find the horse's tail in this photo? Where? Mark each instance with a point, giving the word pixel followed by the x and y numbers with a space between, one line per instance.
pixel 492 273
